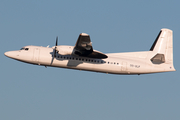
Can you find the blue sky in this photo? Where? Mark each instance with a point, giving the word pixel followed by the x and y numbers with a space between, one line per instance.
pixel 34 92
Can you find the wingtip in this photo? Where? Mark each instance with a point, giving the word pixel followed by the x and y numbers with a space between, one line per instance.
pixel 84 34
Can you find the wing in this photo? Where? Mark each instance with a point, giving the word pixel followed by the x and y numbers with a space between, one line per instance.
pixel 84 48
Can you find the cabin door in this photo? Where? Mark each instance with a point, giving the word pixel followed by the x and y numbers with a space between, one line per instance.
pixel 36 55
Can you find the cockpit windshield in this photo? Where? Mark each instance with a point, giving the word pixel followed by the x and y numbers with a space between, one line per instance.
pixel 24 49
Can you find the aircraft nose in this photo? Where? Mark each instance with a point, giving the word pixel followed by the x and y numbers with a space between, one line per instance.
pixel 11 54
pixel 6 54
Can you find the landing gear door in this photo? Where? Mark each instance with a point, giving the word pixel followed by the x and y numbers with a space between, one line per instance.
pixel 36 55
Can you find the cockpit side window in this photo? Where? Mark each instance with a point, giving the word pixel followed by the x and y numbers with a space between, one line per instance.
pixel 26 48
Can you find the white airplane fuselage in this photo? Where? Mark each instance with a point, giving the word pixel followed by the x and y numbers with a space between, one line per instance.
pixel 82 57
pixel 123 63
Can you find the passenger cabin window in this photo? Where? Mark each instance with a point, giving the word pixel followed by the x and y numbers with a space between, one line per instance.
pixel 26 48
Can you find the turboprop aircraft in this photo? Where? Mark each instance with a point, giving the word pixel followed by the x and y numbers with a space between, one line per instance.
pixel 82 56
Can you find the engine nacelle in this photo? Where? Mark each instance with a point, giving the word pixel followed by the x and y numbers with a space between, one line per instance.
pixel 64 50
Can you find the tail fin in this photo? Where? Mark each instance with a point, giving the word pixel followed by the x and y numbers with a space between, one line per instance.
pixel 163 47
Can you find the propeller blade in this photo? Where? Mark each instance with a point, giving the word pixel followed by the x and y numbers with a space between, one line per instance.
pixel 55 46
pixel 54 55
pixel 56 41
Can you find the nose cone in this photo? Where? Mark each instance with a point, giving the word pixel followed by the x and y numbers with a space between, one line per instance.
pixel 11 54
pixel 7 54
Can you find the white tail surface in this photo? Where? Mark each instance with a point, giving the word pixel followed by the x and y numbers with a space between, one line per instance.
pixel 163 48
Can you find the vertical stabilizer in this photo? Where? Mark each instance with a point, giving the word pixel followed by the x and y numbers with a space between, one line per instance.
pixel 163 47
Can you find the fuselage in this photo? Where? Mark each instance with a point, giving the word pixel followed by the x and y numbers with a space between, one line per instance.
pixel 130 63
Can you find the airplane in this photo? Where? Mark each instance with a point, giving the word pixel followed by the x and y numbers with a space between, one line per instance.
pixel 82 56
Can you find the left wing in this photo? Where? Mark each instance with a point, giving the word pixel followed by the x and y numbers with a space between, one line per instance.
pixel 84 48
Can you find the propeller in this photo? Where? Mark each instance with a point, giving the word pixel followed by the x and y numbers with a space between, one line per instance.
pixel 55 50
